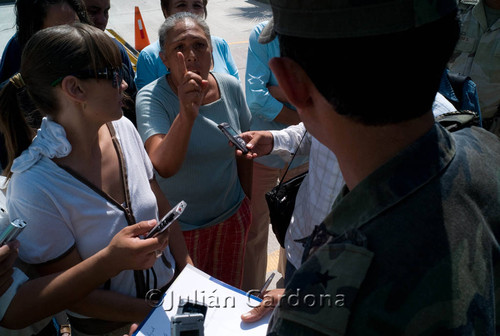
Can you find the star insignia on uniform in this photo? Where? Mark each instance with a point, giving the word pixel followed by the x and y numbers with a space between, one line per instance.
pixel 323 278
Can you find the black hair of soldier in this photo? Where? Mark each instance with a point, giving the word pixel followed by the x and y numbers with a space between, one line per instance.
pixel 378 80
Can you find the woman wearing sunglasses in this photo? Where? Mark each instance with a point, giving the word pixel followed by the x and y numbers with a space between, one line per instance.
pixel 31 16
pixel 85 175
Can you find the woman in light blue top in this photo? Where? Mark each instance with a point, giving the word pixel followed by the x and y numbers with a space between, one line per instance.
pixel 177 118
pixel 149 64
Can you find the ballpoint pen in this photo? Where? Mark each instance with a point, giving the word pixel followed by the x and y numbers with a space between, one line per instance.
pixel 266 284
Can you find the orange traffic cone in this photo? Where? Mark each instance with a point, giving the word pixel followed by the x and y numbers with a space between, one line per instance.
pixel 141 35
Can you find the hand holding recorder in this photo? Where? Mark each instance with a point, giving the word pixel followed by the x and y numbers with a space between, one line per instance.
pixel 233 136
pixel 259 143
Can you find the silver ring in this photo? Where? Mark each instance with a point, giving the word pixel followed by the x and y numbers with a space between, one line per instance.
pixel 158 253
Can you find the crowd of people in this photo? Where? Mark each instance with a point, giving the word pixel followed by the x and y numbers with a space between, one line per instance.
pixel 398 217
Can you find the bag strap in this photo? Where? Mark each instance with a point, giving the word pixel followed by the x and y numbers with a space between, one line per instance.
pixel 293 157
pixel 140 282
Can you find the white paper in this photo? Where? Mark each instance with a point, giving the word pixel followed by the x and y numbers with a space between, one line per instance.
pixel 225 306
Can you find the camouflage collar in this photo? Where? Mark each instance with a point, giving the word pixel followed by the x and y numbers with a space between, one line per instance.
pixel 412 168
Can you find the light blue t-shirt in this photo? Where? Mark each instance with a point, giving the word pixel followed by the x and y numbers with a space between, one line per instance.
pixel 263 106
pixel 150 66
pixel 208 178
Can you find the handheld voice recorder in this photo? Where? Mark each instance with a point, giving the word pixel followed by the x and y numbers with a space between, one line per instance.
pixel 233 136
pixel 189 319
pixel 12 230
pixel 168 219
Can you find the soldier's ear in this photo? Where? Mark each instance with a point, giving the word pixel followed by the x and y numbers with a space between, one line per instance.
pixel 294 81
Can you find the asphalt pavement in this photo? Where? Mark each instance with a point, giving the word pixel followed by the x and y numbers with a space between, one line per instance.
pixel 7 22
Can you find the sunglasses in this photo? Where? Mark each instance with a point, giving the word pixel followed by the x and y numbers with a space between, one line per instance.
pixel 113 74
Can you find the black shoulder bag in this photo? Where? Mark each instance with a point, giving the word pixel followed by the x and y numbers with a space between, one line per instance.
pixel 281 201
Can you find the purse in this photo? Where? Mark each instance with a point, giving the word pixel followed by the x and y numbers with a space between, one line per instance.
pixel 281 202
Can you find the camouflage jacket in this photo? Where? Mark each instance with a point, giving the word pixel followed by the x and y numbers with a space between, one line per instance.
pixel 411 250
pixel 477 55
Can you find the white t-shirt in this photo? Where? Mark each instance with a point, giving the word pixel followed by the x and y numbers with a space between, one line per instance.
pixel 18 278
pixel 318 189
pixel 323 183
pixel 442 105
pixel 63 211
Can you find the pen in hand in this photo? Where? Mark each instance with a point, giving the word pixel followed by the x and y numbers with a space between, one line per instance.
pixel 266 285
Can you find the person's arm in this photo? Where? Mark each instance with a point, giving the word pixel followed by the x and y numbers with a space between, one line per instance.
pixel 47 295
pixel 283 142
pixel 112 306
pixel 287 116
pixel 244 166
pixel 102 304
pixel 8 255
pixel 228 58
pixel 177 243
pixel 261 102
pixel 145 69
pixel 245 170
pixel 287 141
pixel 167 151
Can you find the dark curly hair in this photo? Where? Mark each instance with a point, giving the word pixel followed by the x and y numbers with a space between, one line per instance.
pixel 378 80
pixel 165 4
pixel 30 15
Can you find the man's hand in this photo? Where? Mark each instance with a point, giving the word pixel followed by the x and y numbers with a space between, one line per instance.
pixel 269 301
pixel 259 143
pixel 8 255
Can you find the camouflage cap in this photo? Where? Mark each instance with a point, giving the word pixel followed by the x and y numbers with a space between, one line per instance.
pixel 351 18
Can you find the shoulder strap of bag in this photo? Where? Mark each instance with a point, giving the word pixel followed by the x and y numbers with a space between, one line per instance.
pixel 293 157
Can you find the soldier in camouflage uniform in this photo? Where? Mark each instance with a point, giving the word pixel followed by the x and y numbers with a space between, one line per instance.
pixel 411 244
pixel 477 55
